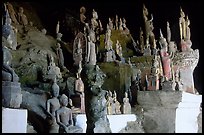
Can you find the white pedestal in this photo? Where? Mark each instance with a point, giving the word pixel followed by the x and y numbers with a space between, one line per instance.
pixel 187 113
pixel 117 122
pixel 14 120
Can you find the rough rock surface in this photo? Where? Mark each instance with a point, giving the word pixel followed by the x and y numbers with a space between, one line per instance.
pixel 132 127
pixel 34 101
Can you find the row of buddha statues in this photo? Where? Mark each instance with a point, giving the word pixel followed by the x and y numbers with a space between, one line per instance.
pixel 60 109
pixel 92 36
pixel 59 113
pixel 147 42
pixel 114 107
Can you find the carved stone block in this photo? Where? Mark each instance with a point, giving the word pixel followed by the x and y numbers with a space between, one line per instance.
pixel 11 94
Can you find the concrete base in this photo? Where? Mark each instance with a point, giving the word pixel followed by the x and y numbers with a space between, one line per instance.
pixel 187 113
pixel 14 120
pixel 117 122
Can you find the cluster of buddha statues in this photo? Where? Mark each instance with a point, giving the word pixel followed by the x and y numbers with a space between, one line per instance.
pixel 59 114
pixel 114 107
pixel 17 18
pixel 118 24
pixel 91 35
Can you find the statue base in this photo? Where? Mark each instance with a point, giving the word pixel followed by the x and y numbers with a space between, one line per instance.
pixel 11 94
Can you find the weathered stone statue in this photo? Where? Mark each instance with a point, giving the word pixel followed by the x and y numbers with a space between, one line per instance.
pixel 126 107
pixel 53 70
pixel 52 105
pixel 97 121
pixel 60 56
pixel 11 90
pixel 65 119
pixel 22 19
pixel 91 58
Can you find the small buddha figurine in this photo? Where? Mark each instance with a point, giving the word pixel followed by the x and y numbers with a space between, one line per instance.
pixel 188 31
pixel 57 27
pixel 116 104
pixel 82 103
pixel 109 103
pixel 168 32
pixel 94 22
pixel 126 105
pixel 182 24
pixel 116 22
pixel 79 85
pixel 91 58
pixel 60 56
